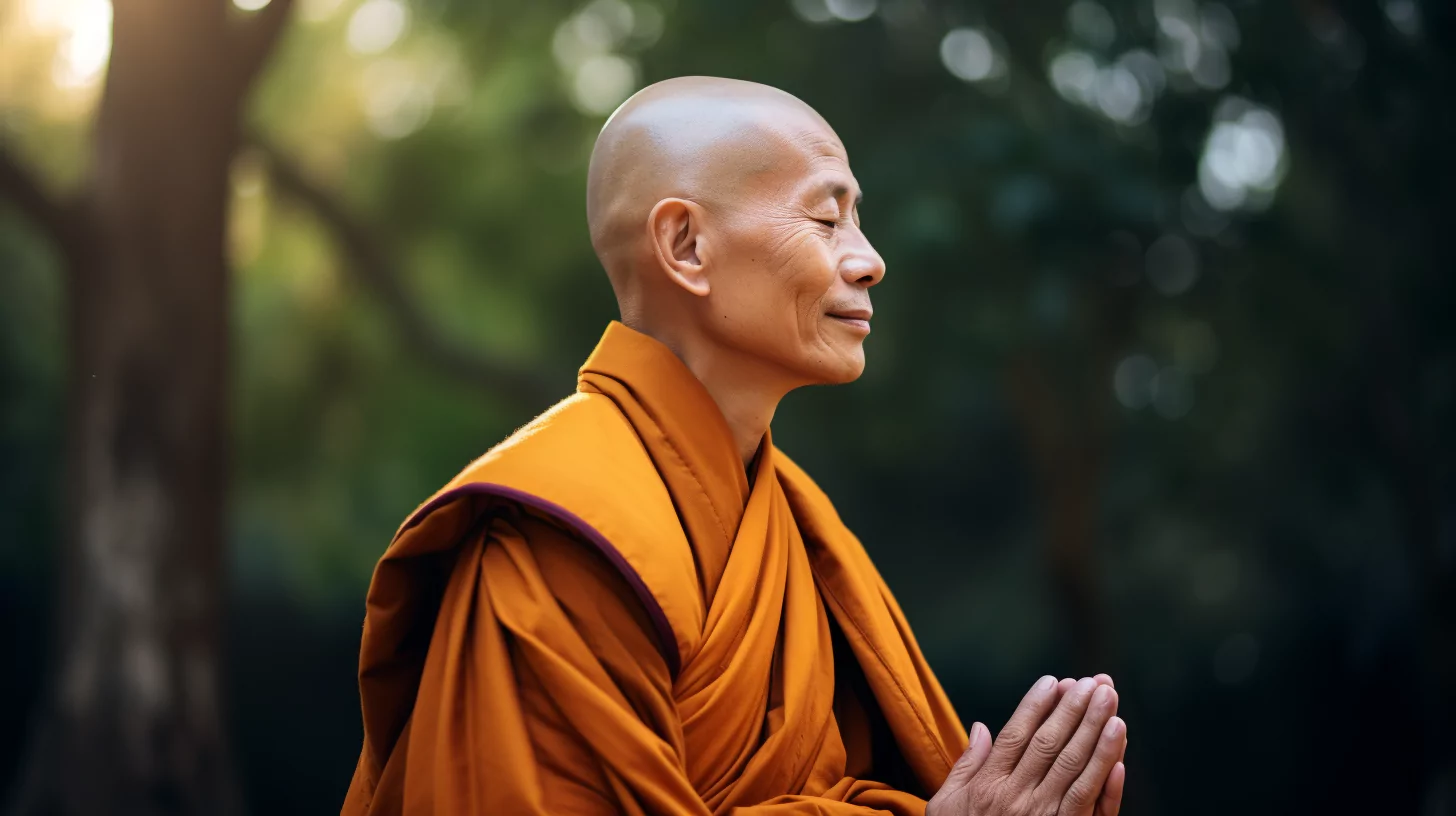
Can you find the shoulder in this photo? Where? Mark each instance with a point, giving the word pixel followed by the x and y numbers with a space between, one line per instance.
pixel 582 464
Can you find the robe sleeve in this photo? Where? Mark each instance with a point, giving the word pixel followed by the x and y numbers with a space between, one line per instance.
pixel 544 691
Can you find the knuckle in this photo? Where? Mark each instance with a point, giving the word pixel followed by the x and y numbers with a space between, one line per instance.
pixel 1014 802
pixel 1070 761
pixel 1011 737
pixel 1080 794
pixel 1046 744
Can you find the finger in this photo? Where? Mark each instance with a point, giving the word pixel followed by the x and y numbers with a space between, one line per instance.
pixel 971 759
pixel 1104 679
pixel 1083 795
pixel 1049 740
pixel 1065 685
pixel 1016 733
pixel 1110 802
pixel 1074 757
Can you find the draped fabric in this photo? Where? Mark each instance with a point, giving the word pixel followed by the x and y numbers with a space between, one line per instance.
pixel 515 660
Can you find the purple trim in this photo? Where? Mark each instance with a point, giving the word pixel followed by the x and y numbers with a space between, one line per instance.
pixel 654 610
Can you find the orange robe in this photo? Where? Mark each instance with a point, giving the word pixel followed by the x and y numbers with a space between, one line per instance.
pixel 603 615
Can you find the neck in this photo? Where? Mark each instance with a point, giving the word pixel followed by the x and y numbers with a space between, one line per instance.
pixel 748 410
pixel 746 397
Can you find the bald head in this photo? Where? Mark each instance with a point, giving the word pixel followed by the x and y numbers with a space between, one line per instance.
pixel 702 139
pixel 727 219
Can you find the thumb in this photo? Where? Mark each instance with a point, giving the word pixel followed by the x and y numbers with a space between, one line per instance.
pixel 971 759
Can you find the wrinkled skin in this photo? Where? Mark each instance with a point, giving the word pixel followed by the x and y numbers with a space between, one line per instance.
pixel 727 218
pixel 1060 753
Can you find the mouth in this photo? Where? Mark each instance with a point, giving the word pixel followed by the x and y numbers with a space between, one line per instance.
pixel 854 318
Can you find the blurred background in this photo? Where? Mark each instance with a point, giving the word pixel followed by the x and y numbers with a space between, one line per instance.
pixel 1163 378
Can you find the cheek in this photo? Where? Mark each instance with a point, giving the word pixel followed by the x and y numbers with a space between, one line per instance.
pixel 777 291
pixel 790 267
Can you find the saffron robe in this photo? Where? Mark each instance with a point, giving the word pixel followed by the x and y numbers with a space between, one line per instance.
pixel 603 615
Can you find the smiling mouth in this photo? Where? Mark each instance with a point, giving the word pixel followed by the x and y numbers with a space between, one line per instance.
pixel 854 318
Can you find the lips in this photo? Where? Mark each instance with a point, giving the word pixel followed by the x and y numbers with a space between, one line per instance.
pixel 858 319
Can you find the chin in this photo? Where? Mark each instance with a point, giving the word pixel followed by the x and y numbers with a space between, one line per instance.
pixel 846 368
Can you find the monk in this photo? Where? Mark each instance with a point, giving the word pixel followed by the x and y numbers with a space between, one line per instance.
pixel 637 603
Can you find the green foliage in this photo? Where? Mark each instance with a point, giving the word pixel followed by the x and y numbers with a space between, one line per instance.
pixel 1246 410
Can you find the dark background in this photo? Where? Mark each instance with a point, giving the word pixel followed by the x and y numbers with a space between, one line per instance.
pixel 1162 382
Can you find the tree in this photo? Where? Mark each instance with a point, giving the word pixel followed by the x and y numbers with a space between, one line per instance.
pixel 134 721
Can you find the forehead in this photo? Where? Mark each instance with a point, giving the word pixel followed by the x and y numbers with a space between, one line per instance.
pixel 805 157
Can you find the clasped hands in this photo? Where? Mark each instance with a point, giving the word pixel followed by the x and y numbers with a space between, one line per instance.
pixel 1060 753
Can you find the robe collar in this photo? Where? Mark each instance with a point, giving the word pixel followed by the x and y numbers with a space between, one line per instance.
pixel 693 425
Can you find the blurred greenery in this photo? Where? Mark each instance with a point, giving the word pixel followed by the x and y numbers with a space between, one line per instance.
pixel 1161 381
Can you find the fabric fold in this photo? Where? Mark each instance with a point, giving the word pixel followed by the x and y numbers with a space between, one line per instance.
pixel 603 615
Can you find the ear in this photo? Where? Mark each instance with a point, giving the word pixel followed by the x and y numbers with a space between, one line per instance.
pixel 675 228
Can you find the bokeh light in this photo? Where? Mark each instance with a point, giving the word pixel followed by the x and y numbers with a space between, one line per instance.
pixel 588 48
pixel 1153 242
pixel 376 25
pixel 851 11
pixel 968 54
pixel 1134 381
pixel 395 100
pixel 603 82
pixel 1243 157
pixel 1091 23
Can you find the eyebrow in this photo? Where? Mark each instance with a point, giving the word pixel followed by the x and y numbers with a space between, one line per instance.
pixel 838 189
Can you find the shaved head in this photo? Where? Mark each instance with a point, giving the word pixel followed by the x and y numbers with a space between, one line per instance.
pixel 727 220
pixel 696 138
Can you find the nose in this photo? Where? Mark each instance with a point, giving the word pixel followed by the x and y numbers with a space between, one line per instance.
pixel 861 264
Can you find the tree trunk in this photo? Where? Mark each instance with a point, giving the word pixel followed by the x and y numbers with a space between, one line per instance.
pixel 134 720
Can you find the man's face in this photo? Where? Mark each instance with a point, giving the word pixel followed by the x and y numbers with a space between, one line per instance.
pixel 793 269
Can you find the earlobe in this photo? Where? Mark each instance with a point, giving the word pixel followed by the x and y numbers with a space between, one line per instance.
pixel 674 228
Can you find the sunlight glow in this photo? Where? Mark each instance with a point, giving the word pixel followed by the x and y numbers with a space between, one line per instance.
pixel 84 31
pixel 376 25
pixel 250 5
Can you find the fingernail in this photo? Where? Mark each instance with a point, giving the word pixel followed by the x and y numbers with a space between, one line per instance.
pixel 1113 728
pixel 975 735
pixel 1101 696
pixel 1045 683
pixel 1085 685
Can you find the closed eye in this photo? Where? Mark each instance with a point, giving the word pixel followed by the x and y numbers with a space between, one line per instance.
pixel 828 222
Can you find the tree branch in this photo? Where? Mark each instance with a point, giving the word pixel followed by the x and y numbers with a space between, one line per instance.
pixel 370 263
pixel 253 41
pixel 58 219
